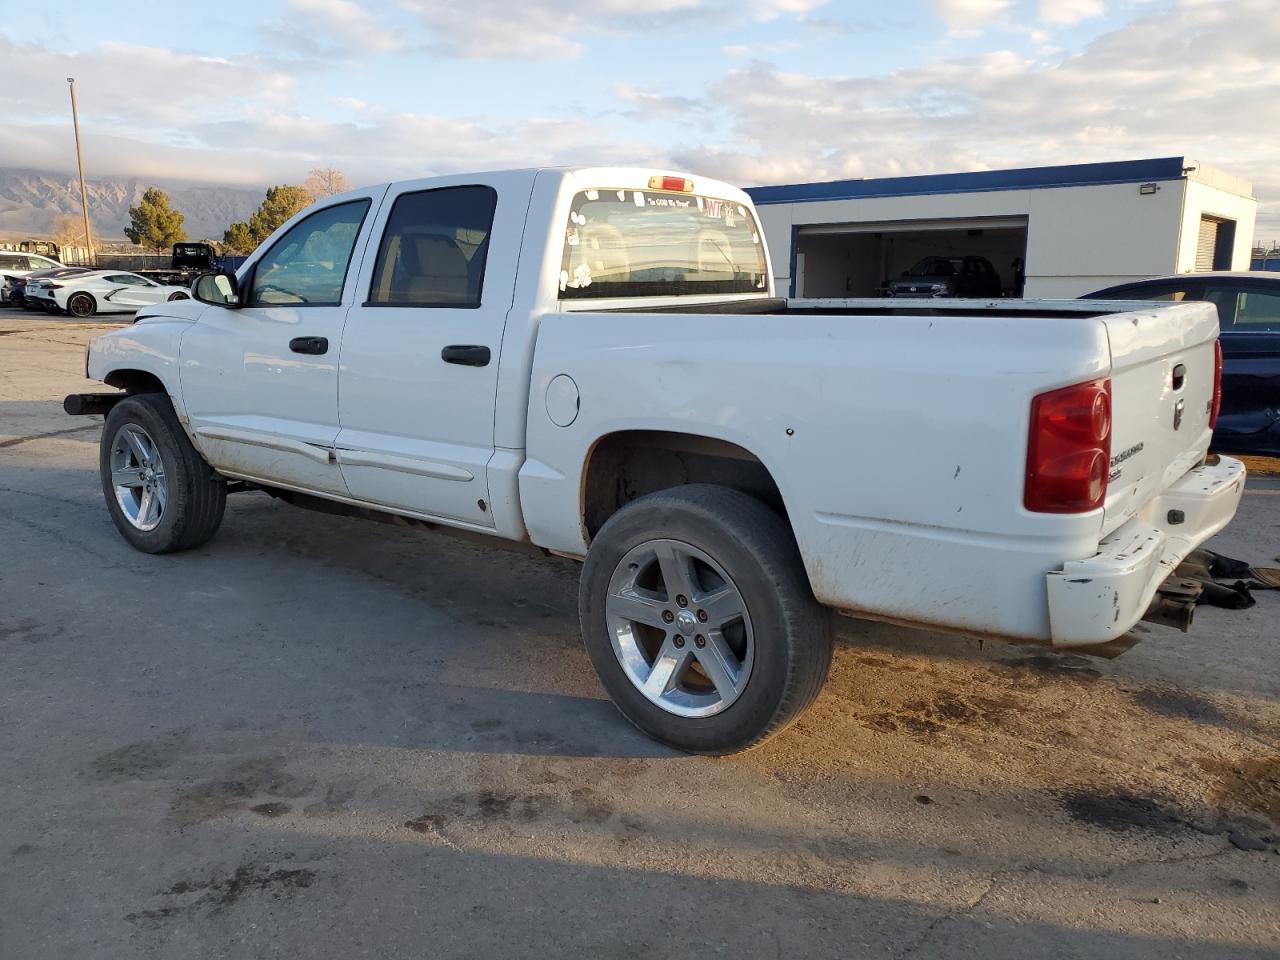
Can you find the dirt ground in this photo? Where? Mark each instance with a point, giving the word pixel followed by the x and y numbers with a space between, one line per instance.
pixel 318 737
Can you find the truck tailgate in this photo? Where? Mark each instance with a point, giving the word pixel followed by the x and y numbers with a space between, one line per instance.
pixel 1162 377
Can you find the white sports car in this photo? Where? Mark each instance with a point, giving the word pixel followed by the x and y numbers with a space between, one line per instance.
pixel 102 291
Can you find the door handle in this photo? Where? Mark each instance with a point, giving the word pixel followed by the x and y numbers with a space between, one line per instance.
pixel 466 354
pixel 312 345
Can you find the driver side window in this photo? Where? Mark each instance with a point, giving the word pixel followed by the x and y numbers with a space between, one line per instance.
pixel 308 265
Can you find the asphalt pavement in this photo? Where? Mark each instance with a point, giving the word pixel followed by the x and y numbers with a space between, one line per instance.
pixel 319 737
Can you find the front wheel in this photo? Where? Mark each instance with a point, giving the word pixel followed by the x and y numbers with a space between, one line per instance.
pixel 161 493
pixel 698 617
pixel 179 295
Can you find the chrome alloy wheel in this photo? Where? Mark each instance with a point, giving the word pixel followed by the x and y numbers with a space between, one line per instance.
pixel 137 474
pixel 680 628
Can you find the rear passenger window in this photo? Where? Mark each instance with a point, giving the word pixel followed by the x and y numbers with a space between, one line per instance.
pixel 434 249
pixel 1246 309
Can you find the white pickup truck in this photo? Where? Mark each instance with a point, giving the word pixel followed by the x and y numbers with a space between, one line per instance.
pixel 593 361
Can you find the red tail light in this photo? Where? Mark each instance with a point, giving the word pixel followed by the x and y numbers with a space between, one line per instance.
pixel 1217 384
pixel 1069 449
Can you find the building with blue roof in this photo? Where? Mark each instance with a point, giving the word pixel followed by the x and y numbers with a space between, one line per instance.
pixel 1049 232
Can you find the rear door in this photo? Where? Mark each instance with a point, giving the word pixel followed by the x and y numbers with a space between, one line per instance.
pixel 1249 312
pixel 420 351
pixel 260 381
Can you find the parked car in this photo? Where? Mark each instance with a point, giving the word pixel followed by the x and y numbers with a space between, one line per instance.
pixel 18 288
pixel 1249 314
pixel 100 291
pixel 948 277
pixel 593 362
pixel 15 265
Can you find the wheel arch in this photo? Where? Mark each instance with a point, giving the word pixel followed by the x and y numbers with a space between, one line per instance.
pixel 135 381
pixel 624 465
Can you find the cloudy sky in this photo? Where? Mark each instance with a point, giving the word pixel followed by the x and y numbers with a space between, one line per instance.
pixel 754 91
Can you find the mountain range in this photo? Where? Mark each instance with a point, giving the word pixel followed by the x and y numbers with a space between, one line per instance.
pixel 30 201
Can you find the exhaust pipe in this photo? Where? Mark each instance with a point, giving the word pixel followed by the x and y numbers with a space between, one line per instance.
pixel 1171 611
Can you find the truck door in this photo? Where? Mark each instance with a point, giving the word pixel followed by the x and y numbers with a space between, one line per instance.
pixel 420 351
pixel 260 381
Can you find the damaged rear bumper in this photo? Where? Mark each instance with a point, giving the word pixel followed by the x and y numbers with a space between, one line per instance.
pixel 1096 600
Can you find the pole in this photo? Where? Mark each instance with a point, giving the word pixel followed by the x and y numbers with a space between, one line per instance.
pixel 84 195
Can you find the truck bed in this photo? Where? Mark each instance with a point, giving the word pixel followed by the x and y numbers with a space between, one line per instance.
pixel 897 434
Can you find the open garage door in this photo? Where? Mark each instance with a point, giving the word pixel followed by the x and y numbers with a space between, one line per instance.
pixel 859 259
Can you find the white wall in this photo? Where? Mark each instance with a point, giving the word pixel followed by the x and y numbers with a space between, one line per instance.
pixel 1084 238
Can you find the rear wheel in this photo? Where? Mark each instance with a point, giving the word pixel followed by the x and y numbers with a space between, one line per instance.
pixel 161 493
pixel 179 296
pixel 699 620
pixel 81 305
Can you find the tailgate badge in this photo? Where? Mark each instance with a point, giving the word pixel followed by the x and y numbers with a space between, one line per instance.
pixel 1177 413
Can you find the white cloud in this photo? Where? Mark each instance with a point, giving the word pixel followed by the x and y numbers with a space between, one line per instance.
pixel 1067 12
pixel 331 28
pixel 1182 82
pixel 650 105
pixel 967 17
pixel 558 29
pixel 1191 81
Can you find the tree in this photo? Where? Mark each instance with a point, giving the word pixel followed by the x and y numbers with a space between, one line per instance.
pixel 68 231
pixel 153 223
pixel 325 182
pixel 279 205
pixel 239 238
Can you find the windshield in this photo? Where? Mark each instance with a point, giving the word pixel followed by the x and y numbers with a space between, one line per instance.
pixel 936 267
pixel 642 243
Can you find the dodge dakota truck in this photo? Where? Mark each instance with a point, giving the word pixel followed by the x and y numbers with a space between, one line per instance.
pixel 593 362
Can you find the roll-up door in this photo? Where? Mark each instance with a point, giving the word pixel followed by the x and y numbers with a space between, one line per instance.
pixel 1207 244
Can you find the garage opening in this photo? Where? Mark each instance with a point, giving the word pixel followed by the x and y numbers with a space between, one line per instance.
pixel 860 259
pixel 1215 243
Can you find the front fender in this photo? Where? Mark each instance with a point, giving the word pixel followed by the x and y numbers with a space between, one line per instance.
pixel 150 347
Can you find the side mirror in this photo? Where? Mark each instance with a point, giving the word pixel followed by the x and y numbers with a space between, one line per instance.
pixel 219 289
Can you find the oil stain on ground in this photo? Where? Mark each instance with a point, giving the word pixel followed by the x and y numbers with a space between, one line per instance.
pixel 222 891
pixel 140 760
pixel 1122 812
pixel 256 777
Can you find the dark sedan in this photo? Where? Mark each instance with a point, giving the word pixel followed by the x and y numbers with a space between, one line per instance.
pixel 1249 315
pixel 948 277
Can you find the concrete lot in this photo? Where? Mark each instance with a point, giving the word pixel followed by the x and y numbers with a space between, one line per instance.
pixel 318 737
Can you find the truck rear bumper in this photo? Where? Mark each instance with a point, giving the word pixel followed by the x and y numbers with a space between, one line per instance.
pixel 1101 598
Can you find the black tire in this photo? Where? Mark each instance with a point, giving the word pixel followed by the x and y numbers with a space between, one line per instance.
pixel 179 295
pixel 82 305
pixel 197 496
pixel 755 547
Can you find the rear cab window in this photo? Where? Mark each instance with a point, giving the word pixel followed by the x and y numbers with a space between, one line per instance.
pixel 622 243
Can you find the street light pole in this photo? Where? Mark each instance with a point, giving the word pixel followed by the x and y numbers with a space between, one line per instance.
pixel 84 195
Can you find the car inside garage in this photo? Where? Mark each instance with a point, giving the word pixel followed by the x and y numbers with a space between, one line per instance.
pixel 861 259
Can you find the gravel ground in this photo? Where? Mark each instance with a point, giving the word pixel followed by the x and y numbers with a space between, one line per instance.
pixel 318 737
